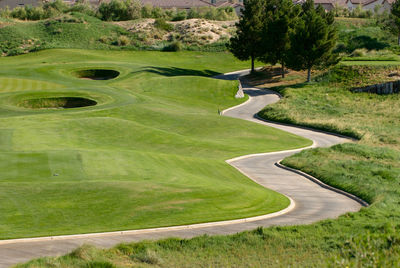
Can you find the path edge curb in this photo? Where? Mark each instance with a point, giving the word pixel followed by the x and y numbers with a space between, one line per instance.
pixel 322 184
pixel 289 208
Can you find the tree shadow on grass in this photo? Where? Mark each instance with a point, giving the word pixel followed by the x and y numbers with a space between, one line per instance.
pixel 283 87
pixel 174 71
pixel 366 42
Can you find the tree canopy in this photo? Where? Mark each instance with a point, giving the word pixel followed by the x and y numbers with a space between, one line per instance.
pixel 278 22
pixel 313 39
pixel 246 44
pixel 277 31
pixel 394 19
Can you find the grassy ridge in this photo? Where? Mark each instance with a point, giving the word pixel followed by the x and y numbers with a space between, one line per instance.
pixel 151 153
pixel 358 39
pixel 76 30
pixel 67 31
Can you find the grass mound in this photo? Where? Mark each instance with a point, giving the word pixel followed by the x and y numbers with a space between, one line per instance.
pixel 59 102
pixel 97 74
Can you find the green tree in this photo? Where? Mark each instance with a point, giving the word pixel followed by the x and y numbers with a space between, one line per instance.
pixel 118 10
pixel 313 39
pixel 246 43
pixel 134 9
pixel 278 22
pixel 394 21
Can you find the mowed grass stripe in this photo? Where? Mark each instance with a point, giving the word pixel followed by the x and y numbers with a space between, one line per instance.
pixel 6 139
pixel 9 84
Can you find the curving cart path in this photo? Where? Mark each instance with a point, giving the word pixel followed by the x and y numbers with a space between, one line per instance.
pixel 309 201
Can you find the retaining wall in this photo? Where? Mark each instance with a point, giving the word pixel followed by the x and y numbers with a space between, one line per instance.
pixel 382 89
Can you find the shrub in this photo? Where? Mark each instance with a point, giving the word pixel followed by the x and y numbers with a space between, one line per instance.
pixel 34 13
pixel 123 40
pixel 174 46
pixel 133 9
pixel 118 10
pixel 146 11
pixel 113 10
pixel 28 13
pixel 104 39
pixel 193 13
pixel 157 13
pixel 163 25
pixel 361 52
pixel 18 13
pixel 180 15
pixel 83 8
pixel 57 5
pixel 147 256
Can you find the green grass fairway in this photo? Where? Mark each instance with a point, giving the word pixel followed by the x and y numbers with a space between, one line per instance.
pixel 151 153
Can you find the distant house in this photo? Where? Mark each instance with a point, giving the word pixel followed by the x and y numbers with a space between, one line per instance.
pixel 21 3
pixel 188 4
pixel 236 6
pixel 181 4
pixel 328 5
pixel 18 3
pixel 369 4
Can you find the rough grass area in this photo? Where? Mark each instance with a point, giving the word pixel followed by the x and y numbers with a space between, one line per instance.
pixel 330 105
pixel 369 168
pixel 151 153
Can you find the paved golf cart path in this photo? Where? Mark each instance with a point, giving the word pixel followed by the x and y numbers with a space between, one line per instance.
pixel 309 201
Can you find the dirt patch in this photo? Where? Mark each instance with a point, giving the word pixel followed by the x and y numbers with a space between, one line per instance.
pixel 57 102
pixel 191 31
pixel 97 74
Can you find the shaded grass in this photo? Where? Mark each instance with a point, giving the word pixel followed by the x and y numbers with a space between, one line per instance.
pixel 362 34
pixel 151 153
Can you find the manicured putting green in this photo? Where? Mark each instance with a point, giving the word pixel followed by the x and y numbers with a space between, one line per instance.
pixel 151 153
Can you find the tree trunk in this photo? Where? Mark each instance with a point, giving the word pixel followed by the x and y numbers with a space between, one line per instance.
pixel 283 69
pixel 398 39
pixel 309 75
pixel 252 64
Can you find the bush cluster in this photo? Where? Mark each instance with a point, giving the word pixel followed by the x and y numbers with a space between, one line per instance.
pixel 47 10
pixel 117 10
pixel 163 25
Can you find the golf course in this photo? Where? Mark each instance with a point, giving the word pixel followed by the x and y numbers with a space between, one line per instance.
pixel 96 141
